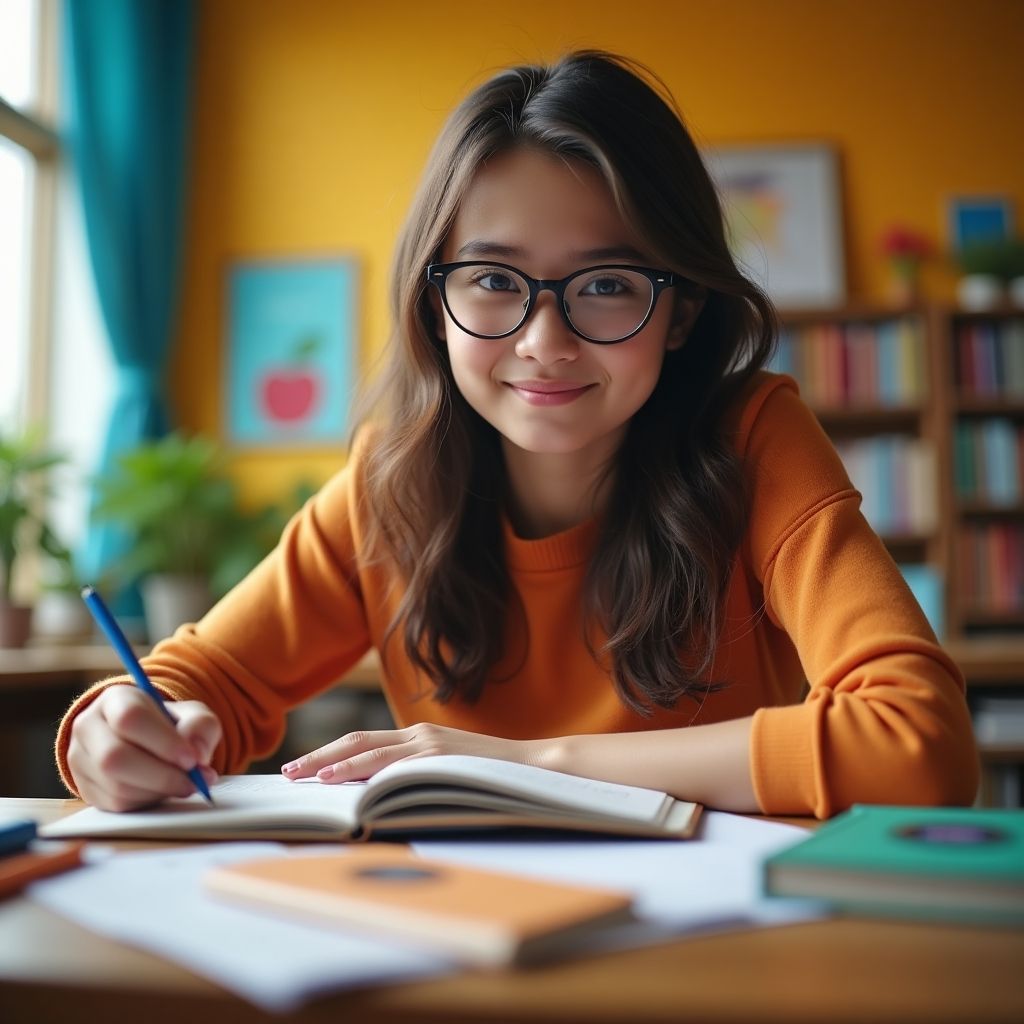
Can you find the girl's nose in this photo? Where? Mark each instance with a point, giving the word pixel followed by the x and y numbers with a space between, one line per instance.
pixel 545 336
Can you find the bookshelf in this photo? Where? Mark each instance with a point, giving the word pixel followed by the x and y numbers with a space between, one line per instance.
pixel 984 357
pixel 925 404
pixel 926 407
pixel 866 373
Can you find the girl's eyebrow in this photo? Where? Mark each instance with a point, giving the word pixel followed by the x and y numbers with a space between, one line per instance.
pixel 482 247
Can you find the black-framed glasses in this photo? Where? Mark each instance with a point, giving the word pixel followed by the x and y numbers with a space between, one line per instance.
pixel 604 304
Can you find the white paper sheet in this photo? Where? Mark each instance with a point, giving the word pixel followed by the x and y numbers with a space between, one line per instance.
pixel 712 880
pixel 155 900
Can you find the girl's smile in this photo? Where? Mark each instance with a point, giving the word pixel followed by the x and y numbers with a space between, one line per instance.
pixel 549 392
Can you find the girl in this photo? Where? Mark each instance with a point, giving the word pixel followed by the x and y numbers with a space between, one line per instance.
pixel 585 530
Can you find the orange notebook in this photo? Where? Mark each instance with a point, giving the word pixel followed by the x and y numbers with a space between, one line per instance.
pixel 481 917
pixel 18 869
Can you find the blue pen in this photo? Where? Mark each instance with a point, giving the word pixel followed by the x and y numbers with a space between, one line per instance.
pixel 119 642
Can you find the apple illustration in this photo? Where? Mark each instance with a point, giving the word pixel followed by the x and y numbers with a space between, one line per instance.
pixel 289 391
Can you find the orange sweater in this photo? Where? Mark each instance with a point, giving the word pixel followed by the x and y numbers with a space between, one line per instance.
pixel 814 595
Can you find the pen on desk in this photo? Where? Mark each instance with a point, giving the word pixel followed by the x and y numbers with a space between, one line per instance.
pixel 119 642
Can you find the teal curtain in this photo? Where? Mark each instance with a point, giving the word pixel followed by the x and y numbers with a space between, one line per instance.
pixel 128 97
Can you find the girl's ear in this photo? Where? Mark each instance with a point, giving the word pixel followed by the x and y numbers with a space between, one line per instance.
pixel 687 308
pixel 436 307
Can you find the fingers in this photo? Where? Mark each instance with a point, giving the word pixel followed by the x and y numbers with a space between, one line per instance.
pixel 360 755
pixel 374 750
pixel 125 753
pixel 200 728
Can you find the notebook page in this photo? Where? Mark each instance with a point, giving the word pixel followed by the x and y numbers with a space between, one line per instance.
pixel 241 803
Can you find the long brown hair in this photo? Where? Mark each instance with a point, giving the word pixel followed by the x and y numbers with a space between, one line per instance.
pixel 677 508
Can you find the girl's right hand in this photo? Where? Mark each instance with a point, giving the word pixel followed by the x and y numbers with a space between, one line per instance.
pixel 124 753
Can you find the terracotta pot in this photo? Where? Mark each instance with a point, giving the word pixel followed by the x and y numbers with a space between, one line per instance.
pixel 15 624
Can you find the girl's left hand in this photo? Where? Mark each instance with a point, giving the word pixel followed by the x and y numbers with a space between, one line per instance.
pixel 360 755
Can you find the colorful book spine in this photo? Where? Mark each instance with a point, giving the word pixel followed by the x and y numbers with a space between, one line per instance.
pixel 855 363
pixel 897 482
pixel 989 461
pixel 990 358
pixel 992 567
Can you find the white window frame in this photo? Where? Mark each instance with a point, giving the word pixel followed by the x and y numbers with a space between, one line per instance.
pixel 35 133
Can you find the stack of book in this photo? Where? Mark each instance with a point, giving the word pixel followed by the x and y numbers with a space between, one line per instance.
pixel 990 358
pixel 939 863
pixel 895 475
pixel 855 364
pixel 992 566
pixel 989 460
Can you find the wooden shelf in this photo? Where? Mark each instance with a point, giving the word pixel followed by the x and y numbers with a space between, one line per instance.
pixel 987 661
pixel 989 617
pixel 1004 311
pixel 971 508
pixel 855 312
pixel 77 665
pixel 906 540
pixel 1001 753
pixel 868 420
pixel 989 405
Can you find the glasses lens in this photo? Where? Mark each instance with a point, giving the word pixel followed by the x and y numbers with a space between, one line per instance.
pixel 608 305
pixel 487 300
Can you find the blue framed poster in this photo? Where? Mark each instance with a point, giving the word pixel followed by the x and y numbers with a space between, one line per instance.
pixel 978 219
pixel 291 351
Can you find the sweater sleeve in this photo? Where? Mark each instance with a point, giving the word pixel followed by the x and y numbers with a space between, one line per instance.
pixel 885 718
pixel 289 630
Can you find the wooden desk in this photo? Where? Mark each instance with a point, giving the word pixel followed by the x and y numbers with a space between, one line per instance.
pixel 840 971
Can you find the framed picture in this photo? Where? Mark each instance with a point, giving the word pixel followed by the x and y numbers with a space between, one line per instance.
pixel 782 208
pixel 978 219
pixel 291 344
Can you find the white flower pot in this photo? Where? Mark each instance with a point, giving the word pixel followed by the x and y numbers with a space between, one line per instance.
pixel 170 601
pixel 979 291
pixel 62 618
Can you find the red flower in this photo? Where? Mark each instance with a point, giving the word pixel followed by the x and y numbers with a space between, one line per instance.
pixel 905 243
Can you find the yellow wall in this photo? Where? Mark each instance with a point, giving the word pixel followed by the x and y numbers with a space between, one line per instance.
pixel 313 119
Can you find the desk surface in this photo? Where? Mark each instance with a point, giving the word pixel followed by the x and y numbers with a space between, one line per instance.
pixel 840 971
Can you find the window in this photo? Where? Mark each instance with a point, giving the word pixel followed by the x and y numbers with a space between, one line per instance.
pixel 28 159
pixel 55 372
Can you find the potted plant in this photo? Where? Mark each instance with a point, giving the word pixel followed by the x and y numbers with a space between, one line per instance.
pixel 24 528
pixel 190 539
pixel 905 250
pixel 1013 270
pixel 992 270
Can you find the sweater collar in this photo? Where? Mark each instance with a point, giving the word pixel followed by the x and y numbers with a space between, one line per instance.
pixel 563 550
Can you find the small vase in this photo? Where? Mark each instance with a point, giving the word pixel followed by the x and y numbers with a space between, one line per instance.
pixel 15 624
pixel 979 291
pixel 62 618
pixel 171 600
pixel 1015 292
pixel 903 289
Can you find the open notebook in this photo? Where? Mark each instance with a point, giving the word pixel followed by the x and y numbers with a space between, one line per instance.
pixel 447 791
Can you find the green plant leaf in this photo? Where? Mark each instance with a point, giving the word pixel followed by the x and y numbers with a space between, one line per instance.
pixel 24 490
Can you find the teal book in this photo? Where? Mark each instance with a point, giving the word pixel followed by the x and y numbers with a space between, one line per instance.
pixel 949 864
